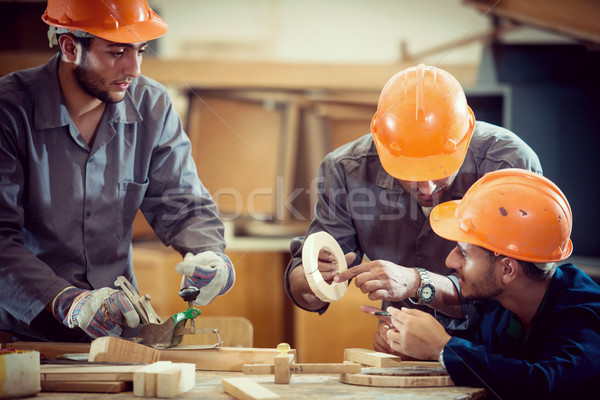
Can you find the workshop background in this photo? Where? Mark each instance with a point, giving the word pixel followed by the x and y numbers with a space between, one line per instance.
pixel 267 87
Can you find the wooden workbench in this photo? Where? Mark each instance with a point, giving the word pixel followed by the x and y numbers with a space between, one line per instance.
pixel 209 386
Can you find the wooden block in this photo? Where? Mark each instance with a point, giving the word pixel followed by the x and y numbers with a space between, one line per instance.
pixel 164 379
pixel 282 366
pixel 246 389
pixel 113 349
pixel 222 359
pixel 372 358
pixel 85 386
pixel 167 383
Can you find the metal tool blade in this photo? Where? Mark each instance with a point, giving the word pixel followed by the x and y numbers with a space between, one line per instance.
pixel 158 334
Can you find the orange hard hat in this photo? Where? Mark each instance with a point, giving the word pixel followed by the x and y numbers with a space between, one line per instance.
pixel 514 212
pixel 423 125
pixel 121 21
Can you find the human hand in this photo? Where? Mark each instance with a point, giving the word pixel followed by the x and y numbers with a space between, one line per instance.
pixel 383 280
pixel 328 264
pixel 100 312
pixel 385 323
pixel 211 272
pixel 417 334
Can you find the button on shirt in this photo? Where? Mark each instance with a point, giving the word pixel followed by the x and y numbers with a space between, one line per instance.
pixel 66 210
pixel 369 213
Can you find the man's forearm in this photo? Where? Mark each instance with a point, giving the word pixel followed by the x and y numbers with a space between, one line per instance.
pixel 301 291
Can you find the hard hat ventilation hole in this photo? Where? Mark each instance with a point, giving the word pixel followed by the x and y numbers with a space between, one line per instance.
pixel 513 247
pixel 65 20
pixel 523 213
pixel 466 225
pixel 111 22
pixel 450 146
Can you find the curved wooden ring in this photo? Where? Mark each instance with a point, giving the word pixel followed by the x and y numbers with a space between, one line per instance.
pixel 310 261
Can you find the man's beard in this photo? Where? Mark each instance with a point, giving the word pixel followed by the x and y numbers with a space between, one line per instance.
pixel 92 83
pixel 485 288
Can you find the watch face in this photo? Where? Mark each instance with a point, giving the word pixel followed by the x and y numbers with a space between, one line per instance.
pixel 427 293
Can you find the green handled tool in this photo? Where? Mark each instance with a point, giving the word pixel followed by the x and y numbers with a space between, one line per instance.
pixel 162 334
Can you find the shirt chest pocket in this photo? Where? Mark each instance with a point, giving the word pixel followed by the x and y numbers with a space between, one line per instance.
pixel 131 195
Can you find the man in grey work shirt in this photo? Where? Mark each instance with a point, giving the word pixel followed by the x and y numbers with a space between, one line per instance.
pixel 86 142
pixel 375 193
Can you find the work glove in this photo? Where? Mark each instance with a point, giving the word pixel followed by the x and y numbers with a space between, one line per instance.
pixel 210 272
pixel 101 312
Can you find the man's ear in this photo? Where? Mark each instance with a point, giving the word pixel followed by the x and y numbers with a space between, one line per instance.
pixel 510 269
pixel 68 46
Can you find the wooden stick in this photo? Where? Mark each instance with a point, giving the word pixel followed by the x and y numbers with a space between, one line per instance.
pixel 246 389
pixel 268 369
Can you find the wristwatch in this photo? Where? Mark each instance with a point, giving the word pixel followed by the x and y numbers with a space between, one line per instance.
pixel 425 292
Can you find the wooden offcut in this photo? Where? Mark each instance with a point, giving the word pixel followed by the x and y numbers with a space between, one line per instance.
pixel 113 349
pixel 246 389
pixel 163 379
pixel 372 358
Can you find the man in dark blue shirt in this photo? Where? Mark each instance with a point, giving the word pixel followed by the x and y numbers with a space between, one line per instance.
pixel 536 331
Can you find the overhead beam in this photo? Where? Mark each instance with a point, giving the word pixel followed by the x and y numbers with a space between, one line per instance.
pixel 577 19
pixel 262 75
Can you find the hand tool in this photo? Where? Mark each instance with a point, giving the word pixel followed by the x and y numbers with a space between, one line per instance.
pixel 162 334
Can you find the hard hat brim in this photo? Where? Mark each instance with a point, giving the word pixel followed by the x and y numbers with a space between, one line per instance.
pixel 444 223
pixel 420 169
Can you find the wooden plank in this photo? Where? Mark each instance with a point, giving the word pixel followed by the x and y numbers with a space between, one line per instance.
pixel 49 372
pixel 223 359
pixel 50 349
pixel 574 18
pixel 85 386
pixel 246 389
pixel 372 358
pixel 113 349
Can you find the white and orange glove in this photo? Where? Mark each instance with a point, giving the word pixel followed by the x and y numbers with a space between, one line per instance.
pixel 100 312
pixel 211 272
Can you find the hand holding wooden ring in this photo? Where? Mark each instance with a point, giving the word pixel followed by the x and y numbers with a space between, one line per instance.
pixel 310 261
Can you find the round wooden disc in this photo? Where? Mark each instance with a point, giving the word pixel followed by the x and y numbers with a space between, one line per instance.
pixel 396 381
pixel 406 371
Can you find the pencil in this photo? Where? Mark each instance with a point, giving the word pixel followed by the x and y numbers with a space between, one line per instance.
pixel 383 313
